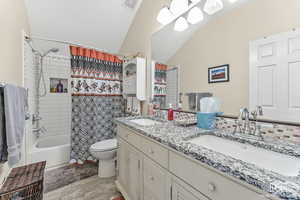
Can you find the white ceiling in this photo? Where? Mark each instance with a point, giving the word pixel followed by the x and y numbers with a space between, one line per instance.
pixel 166 42
pixel 101 24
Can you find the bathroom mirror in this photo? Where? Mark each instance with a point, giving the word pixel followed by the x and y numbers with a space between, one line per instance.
pixel 246 38
pixel 165 87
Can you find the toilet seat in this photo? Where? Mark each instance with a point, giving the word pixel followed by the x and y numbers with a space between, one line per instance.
pixel 105 145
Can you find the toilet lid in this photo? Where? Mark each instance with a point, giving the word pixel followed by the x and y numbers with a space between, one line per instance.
pixel 105 145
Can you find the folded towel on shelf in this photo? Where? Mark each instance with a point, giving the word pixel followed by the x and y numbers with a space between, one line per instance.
pixel 14 106
pixel 3 143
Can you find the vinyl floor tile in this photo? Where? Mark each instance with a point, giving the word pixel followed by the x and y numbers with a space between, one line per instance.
pixel 93 188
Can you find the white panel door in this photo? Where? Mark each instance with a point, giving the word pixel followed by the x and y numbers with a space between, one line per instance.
pixel 274 71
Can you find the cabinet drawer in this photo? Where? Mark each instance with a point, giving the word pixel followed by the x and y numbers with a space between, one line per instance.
pixel 129 136
pixel 180 193
pixel 155 152
pixel 154 180
pixel 208 182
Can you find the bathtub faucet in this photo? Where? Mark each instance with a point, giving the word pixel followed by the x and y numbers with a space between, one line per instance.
pixel 39 131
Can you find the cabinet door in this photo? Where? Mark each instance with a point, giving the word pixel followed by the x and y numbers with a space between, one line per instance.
pixel 154 179
pixel 134 174
pixel 180 193
pixel 123 157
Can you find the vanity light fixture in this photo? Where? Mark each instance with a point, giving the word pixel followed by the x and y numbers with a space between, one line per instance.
pixel 195 15
pixel 179 6
pixel 164 16
pixel 195 1
pixel 213 6
pixel 181 24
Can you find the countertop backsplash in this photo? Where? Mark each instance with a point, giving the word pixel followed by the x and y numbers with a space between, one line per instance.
pixel 273 130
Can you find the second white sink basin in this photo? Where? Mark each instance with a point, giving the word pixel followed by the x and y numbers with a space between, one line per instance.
pixel 145 122
pixel 273 161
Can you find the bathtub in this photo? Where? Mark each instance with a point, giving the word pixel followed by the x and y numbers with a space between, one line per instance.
pixel 54 149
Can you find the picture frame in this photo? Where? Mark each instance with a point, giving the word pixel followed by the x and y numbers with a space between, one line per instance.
pixel 219 74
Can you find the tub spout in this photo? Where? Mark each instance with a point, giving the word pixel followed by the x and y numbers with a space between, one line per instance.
pixel 39 131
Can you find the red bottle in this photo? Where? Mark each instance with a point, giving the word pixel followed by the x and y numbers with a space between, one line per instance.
pixel 170 113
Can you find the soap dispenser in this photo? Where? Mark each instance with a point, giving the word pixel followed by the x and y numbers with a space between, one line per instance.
pixel 170 113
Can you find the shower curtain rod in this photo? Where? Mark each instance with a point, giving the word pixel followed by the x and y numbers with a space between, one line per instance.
pixel 74 44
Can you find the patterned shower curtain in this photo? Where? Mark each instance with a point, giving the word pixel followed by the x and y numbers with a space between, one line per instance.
pixel 96 99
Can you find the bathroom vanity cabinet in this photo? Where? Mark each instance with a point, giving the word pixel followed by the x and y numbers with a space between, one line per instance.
pixel 148 170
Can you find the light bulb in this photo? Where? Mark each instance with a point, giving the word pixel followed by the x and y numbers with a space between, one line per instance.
pixel 213 6
pixel 164 16
pixel 195 15
pixel 181 24
pixel 232 1
pixel 179 6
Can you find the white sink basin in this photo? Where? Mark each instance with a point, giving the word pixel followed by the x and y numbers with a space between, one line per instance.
pixel 273 161
pixel 145 122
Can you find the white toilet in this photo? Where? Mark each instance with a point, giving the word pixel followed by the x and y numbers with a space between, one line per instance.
pixel 105 151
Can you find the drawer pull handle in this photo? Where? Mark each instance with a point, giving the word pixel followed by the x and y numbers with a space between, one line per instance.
pixel 211 187
pixel 151 178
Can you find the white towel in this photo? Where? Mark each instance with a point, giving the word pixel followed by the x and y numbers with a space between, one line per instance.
pixel 3 143
pixel 15 102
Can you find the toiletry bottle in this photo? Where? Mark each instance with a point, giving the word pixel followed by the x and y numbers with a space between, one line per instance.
pixel 170 113
pixel 179 106
pixel 150 109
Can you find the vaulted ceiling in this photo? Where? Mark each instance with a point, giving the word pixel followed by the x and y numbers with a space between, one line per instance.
pixel 101 24
pixel 166 42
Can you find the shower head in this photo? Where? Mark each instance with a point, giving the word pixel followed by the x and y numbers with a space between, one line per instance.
pixel 53 50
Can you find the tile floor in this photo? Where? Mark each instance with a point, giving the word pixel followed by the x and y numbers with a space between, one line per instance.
pixel 60 177
pixel 93 188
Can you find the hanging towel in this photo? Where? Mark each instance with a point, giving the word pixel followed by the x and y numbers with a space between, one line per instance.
pixel 14 105
pixel 3 143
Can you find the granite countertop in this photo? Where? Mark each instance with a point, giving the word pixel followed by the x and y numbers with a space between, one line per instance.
pixel 176 137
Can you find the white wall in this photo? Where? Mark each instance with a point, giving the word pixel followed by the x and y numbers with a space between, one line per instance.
pixel 13 19
pixel 138 38
pixel 55 108
pixel 225 40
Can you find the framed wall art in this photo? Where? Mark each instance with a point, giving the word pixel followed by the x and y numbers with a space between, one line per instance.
pixel 218 74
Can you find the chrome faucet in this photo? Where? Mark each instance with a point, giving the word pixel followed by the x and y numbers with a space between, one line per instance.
pixel 243 121
pixel 243 124
pixel 39 131
pixel 257 127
